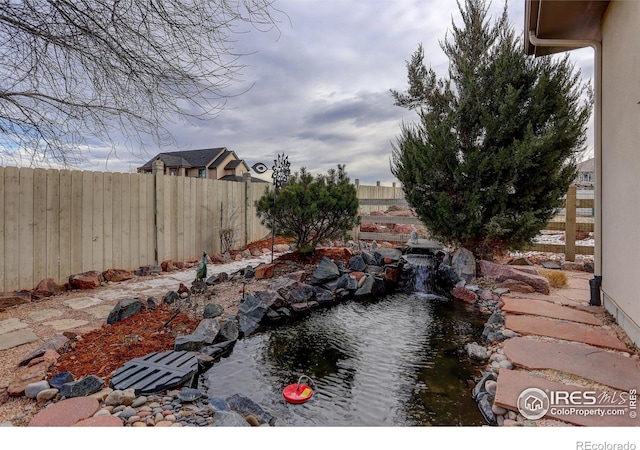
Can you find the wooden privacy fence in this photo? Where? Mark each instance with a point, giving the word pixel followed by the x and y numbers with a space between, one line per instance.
pixel 376 198
pixel 571 223
pixel 576 216
pixel 56 223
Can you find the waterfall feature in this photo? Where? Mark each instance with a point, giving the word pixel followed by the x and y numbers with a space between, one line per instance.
pixel 422 266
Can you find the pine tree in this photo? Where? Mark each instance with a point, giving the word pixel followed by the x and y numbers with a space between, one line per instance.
pixel 311 209
pixel 495 147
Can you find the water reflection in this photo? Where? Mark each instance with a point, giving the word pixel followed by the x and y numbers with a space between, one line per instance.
pixel 398 361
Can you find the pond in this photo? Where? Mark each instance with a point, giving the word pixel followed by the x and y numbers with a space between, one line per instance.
pixel 396 361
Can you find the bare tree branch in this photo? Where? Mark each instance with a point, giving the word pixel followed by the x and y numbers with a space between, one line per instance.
pixel 77 72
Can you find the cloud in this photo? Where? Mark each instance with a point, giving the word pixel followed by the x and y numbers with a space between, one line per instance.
pixel 317 89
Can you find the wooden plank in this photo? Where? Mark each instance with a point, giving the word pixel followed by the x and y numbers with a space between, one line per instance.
pixel 39 225
pixel 25 220
pixel 11 228
pixel 390 219
pixel 3 256
pixel 205 219
pixel 172 183
pixel 87 221
pixel 125 227
pixel 383 202
pixel 560 248
pixel 145 205
pixel 65 214
pixel 193 206
pixel 179 230
pixel 381 237
pixel 159 220
pixel 53 225
pixel 97 231
pixel 585 203
pixel 134 194
pixel 198 217
pixel 107 214
pixel 116 215
pixel 570 225
pixel 580 226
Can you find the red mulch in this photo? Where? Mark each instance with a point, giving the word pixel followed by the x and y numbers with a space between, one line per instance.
pixel 103 351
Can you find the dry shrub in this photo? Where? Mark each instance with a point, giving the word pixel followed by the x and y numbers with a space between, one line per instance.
pixel 557 278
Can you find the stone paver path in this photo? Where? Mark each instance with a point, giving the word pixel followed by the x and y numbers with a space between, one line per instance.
pixel 547 309
pixel 99 302
pixel 570 331
pixel 596 364
pixel 512 383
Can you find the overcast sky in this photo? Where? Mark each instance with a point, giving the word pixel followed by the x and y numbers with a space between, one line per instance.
pixel 320 86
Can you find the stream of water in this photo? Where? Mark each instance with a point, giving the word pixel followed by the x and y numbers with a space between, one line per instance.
pixel 396 361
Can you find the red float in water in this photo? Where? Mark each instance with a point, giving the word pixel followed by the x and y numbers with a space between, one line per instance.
pixel 298 392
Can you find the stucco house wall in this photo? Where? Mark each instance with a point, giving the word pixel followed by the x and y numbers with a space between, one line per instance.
pixel 621 164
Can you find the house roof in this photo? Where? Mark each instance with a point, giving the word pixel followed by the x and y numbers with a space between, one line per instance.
pixel 240 178
pixel 234 163
pixel 189 158
pixel 587 166
pixel 575 20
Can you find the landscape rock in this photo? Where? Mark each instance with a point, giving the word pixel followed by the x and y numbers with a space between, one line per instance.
pixel 123 309
pixel 264 271
pixel 117 275
pixel 464 263
pixel 576 266
pixel 33 389
pixel 326 271
pixel 26 375
pixel 46 288
pixel 208 329
pixel 357 263
pixel 167 266
pixel 503 273
pixel 212 310
pixel 61 378
pixel 10 299
pixel 58 343
pixel 245 406
pixel 516 286
pixel 476 352
pixel 86 280
pixel 82 388
pixel 464 294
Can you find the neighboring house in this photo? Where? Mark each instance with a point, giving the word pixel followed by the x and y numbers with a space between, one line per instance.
pixel 586 174
pixel 212 163
pixel 610 28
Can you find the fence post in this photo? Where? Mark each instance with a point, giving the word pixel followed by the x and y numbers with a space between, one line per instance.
pixel 248 219
pixel 157 169
pixel 570 225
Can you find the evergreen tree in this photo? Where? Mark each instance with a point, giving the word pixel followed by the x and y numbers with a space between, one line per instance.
pixel 495 147
pixel 311 209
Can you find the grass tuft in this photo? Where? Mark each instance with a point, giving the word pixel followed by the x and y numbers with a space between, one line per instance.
pixel 557 278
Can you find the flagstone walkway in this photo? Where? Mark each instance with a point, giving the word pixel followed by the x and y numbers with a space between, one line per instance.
pixel 565 346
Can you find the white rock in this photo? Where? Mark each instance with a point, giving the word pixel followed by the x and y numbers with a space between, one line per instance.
pixel 505 364
pixel 498 410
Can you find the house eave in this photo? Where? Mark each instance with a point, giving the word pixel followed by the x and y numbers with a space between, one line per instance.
pixel 568 20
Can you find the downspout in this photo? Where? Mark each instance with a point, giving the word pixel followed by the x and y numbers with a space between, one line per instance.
pixel 597 135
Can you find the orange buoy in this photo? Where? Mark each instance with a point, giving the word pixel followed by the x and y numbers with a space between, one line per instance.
pixel 298 392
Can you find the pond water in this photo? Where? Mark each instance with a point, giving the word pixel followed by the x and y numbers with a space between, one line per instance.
pixel 396 361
